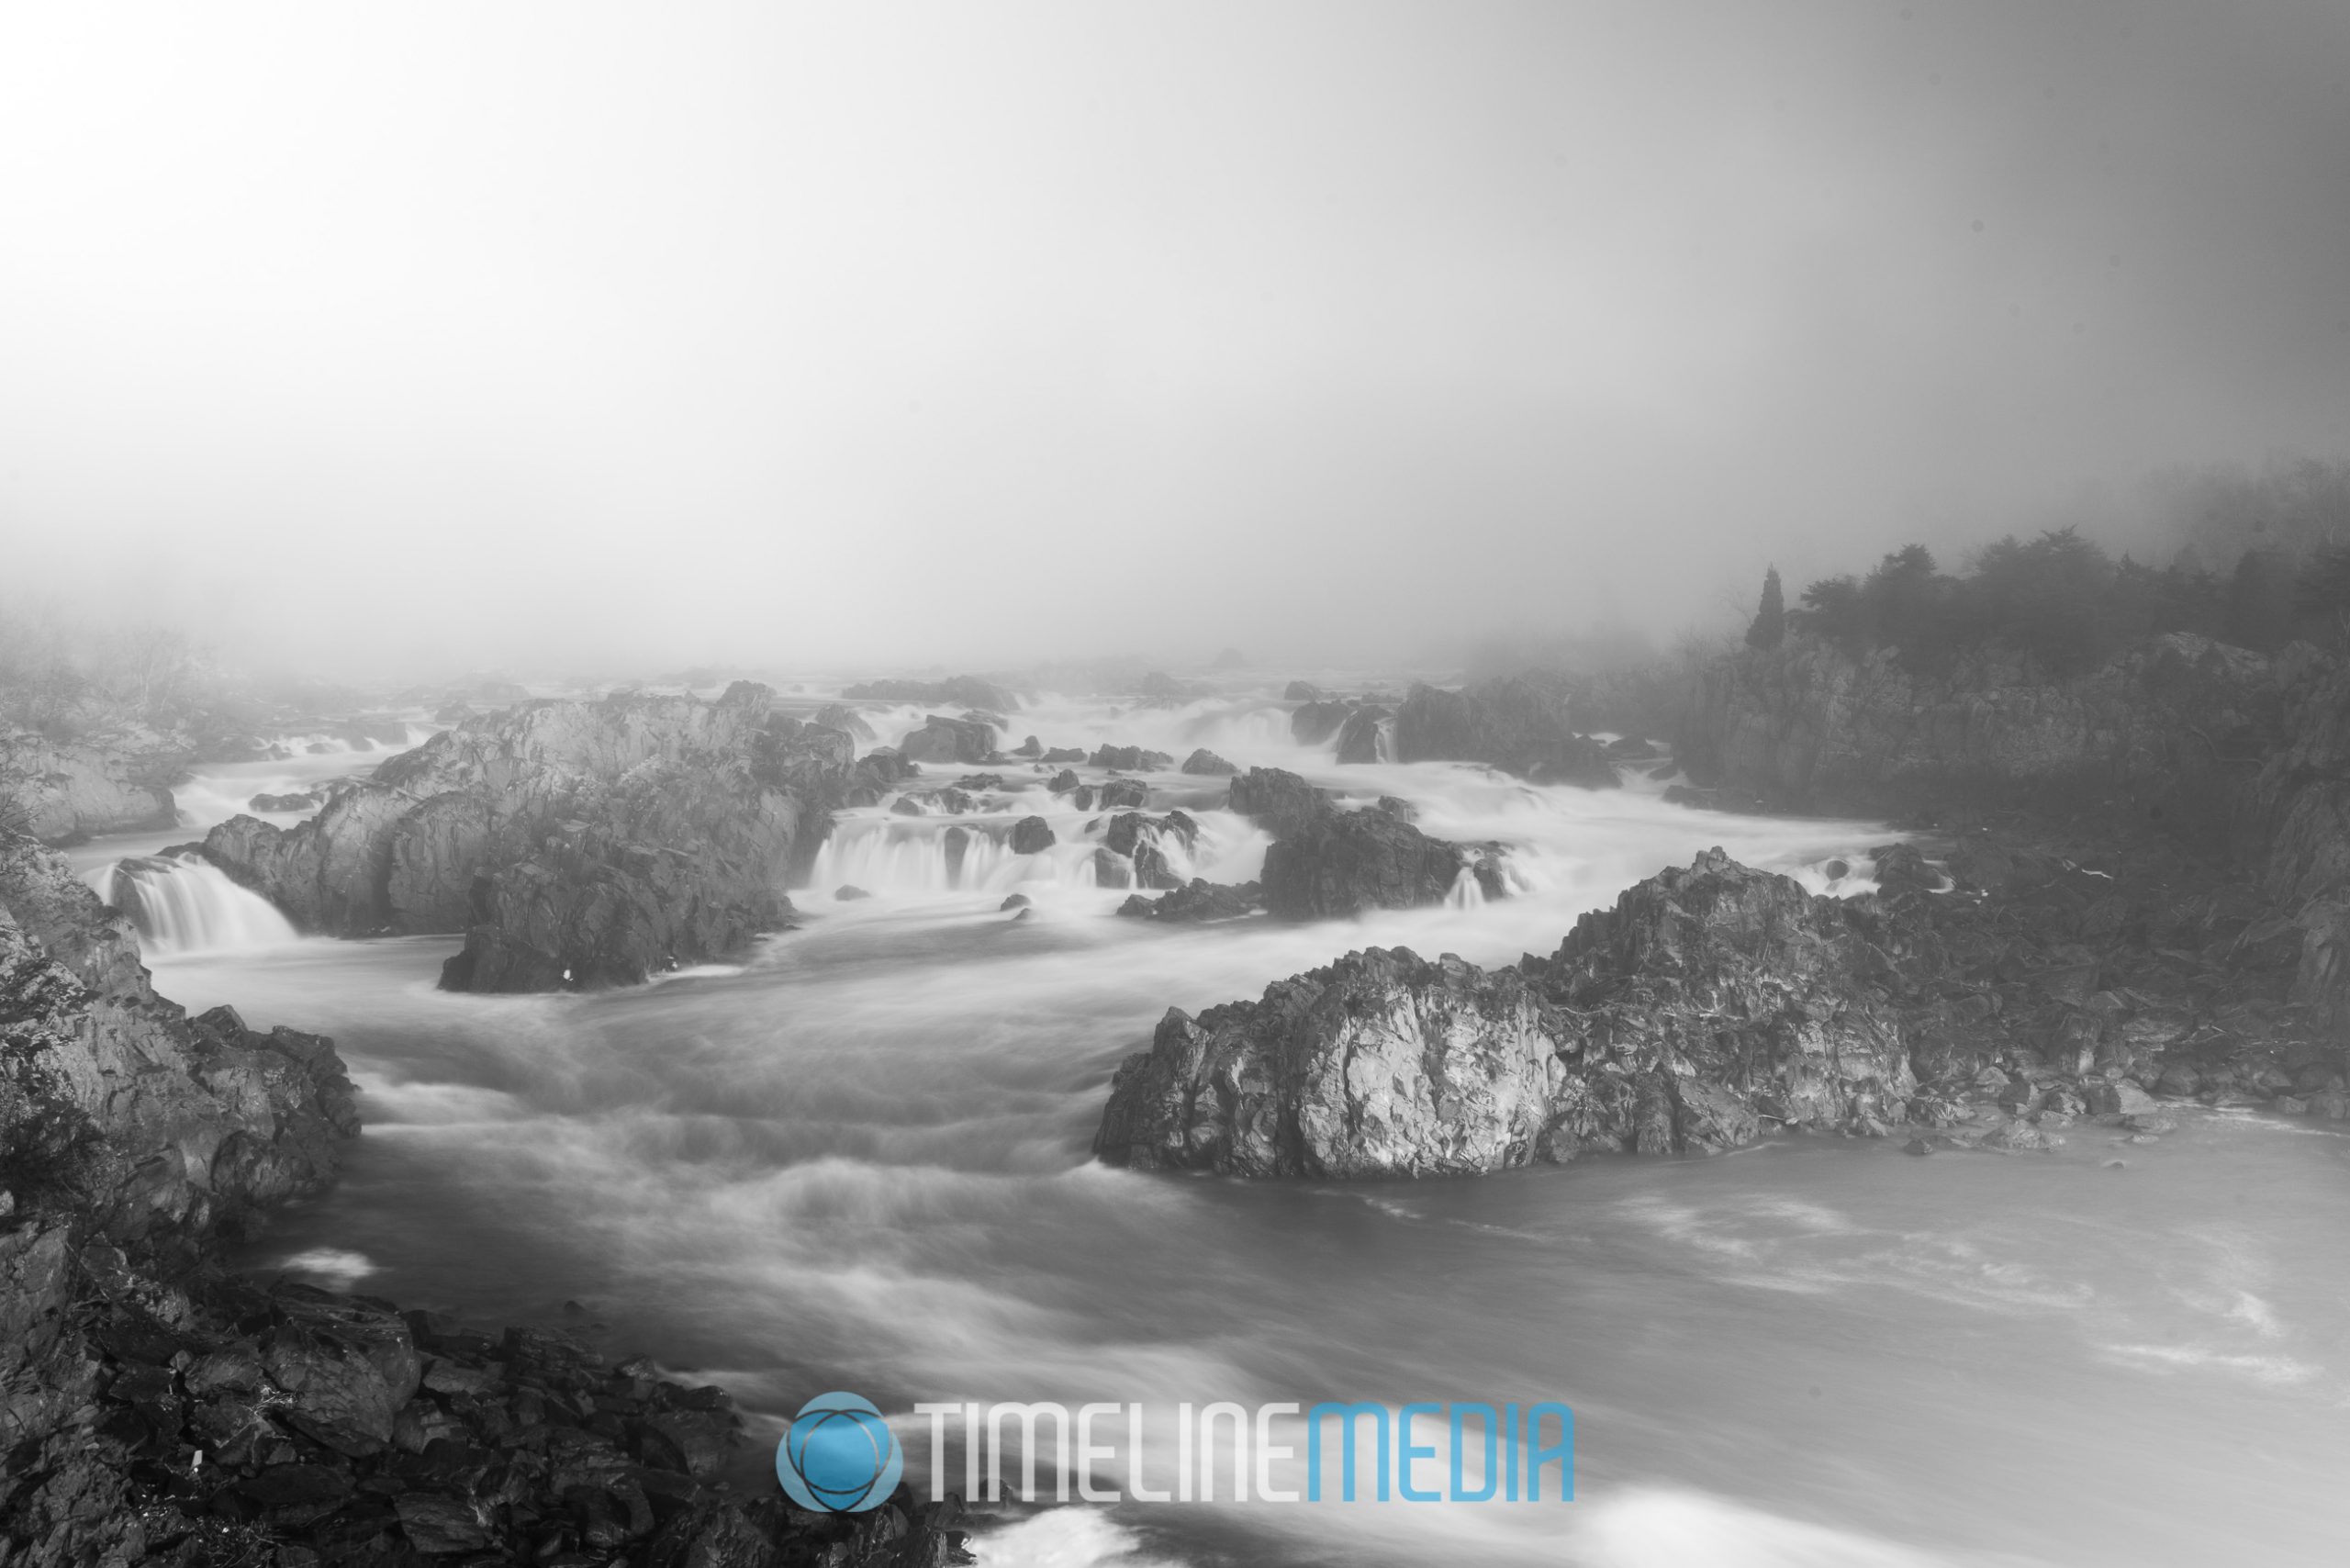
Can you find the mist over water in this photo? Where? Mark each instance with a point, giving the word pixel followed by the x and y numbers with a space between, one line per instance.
pixel 860 1159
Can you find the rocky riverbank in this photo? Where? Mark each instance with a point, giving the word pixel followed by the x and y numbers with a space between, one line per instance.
pixel 154 1408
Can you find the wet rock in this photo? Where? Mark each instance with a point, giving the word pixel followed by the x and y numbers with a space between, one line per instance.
pixel 1518 725
pixel 1360 737
pixel 1031 836
pixel 1302 692
pixel 1064 754
pixel 1278 801
pixel 1130 759
pixel 1062 782
pixel 1198 900
pixel 959 692
pixel 1347 862
pixel 299 802
pixel 941 739
pixel 1017 901
pixel 849 893
pixel 1204 761
pixel 1319 721
pixel 2118 1097
pixel 1706 1006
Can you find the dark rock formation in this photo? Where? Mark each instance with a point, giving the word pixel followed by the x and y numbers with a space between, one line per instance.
pixel 575 844
pixel 69 790
pixel 1358 738
pixel 2170 731
pixel 1062 782
pixel 1279 800
pixel 1031 836
pixel 1206 761
pixel 1198 900
pixel 1319 721
pixel 1705 1002
pixel 1130 759
pixel 1517 725
pixel 941 739
pixel 1013 901
pixel 294 802
pixel 1119 793
pixel 960 691
pixel 1064 754
pixel 1129 829
pixel 1347 862
pixel 847 721
pixel 1302 692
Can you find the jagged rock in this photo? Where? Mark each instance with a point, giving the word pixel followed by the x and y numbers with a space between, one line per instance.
pixel 605 841
pixel 1062 782
pixel 941 739
pixel 1129 829
pixel 1358 738
pixel 1032 746
pixel 1206 761
pixel 301 802
pixel 1302 692
pixel 1063 754
pixel 1130 759
pixel 1707 1003
pixel 1347 862
pixel 1279 800
pixel 1517 725
pixel 1031 836
pixel 847 721
pixel 1119 793
pixel 1111 870
pixel 1198 900
pixel 69 790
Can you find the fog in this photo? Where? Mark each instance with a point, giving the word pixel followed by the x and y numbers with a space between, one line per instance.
pixel 450 335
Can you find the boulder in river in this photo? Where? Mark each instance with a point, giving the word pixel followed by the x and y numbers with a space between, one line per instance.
pixel 1031 836
pixel 1360 737
pixel 941 739
pixel 1204 761
pixel 1130 759
pixel 1517 723
pixel 1709 1004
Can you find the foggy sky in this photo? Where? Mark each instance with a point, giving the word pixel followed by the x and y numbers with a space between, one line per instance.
pixel 455 334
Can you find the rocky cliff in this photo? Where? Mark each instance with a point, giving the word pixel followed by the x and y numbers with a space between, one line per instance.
pixel 2171 731
pixel 68 791
pixel 575 844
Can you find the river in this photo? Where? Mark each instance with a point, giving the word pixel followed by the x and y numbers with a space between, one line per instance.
pixel 859 1161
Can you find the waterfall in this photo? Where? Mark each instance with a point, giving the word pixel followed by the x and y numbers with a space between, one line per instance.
pixel 187 905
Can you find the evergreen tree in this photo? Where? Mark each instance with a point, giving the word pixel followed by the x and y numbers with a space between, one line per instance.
pixel 1769 625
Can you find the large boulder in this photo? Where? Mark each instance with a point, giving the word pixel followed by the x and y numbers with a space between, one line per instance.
pixel 1204 761
pixel 1347 862
pixel 941 739
pixel 1517 725
pixel 599 841
pixel 1130 759
pixel 1361 737
pixel 1709 1005
pixel 1318 720
pixel 1278 801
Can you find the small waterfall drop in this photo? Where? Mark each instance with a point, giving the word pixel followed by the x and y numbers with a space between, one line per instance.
pixel 180 904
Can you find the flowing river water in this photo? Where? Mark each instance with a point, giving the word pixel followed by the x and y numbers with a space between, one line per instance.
pixel 860 1160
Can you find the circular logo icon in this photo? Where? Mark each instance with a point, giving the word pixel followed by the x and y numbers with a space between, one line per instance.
pixel 839 1456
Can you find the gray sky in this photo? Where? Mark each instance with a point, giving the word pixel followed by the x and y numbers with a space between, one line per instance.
pixel 458 334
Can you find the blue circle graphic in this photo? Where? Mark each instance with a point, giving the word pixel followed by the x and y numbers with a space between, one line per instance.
pixel 839 1456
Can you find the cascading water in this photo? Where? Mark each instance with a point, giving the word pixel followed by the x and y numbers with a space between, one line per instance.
pixel 862 1161
pixel 182 905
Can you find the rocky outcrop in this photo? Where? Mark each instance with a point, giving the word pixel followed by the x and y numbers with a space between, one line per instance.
pixel 575 844
pixel 1130 759
pixel 958 691
pixel 68 791
pixel 1318 720
pixel 1518 725
pixel 1707 1003
pixel 1204 761
pixel 1279 800
pixel 1197 901
pixel 1349 862
pixel 847 721
pixel 1031 836
pixel 1360 737
pixel 941 739
pixel 2171 732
